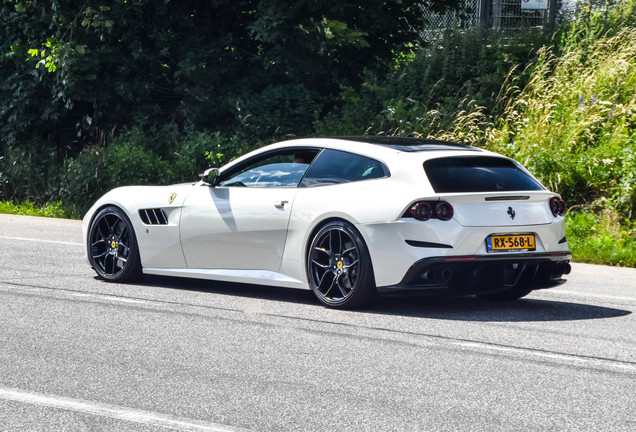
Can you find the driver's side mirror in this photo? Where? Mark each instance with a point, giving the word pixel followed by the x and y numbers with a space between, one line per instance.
pixel 211 177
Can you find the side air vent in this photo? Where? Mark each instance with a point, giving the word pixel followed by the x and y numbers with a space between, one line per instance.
pixel 153 217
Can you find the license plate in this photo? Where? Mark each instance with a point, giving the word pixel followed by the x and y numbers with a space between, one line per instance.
pixel 506 243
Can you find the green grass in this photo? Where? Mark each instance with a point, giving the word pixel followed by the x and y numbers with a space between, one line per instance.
pixel 601 238
pixel 28 208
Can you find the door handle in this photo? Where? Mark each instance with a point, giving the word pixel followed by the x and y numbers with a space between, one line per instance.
pixel 280 204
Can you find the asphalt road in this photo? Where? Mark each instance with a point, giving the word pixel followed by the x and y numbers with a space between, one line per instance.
pixel 79 354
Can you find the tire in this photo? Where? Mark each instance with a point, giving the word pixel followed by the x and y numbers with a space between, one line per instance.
pixel 506 295
pixel 339 267
pixel 112 246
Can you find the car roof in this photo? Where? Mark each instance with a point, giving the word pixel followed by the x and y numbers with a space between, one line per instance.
pixel 377 145
pixel 385 148
pixel 409 144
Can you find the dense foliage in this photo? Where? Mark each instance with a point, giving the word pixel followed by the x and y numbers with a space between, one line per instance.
pixel 87 82
pixel 100 93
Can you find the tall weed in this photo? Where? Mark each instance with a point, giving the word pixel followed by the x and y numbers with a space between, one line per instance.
pixel 574 123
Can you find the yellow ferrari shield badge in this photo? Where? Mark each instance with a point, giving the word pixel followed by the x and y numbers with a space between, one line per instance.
pixel 172 197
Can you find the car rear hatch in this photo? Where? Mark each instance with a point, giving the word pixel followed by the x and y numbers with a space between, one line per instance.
pixel 501 209
pixel 489 191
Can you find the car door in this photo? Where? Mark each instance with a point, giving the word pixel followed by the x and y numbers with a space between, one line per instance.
pixel 242 222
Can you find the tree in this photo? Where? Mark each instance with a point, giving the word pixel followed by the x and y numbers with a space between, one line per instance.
pixel 76 70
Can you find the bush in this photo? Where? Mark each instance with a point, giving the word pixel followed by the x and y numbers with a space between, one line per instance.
pixel 601 238
pixel 29 172
pixel 128 160
pixel 423 95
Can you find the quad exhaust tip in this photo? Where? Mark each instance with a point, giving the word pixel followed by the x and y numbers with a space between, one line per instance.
pixel 437 276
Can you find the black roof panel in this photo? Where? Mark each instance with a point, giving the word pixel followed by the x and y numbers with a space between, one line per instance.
pixel 408 144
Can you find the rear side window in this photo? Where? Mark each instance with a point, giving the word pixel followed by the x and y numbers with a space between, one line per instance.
pixel 478 174
pixel 334 166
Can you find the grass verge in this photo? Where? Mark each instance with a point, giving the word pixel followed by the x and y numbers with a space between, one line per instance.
pixel 601 238
pixel 28 208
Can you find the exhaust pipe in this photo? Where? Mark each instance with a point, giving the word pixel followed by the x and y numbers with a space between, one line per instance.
pixel 447 274
pixel 429 275
pixel 435 276
pixel 561 268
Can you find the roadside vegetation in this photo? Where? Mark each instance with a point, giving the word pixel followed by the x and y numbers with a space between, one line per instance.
pixel 27 208
pixel 80 113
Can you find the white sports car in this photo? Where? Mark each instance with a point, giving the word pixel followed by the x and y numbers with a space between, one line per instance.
pixel 346 217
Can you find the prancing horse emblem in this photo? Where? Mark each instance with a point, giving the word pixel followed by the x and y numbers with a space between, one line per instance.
pixel 172 197
pixel 511 213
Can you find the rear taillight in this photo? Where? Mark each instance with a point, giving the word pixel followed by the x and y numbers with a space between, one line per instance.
pixel 421 211
pixel 557 206
pixel 425 210
pixel 444 211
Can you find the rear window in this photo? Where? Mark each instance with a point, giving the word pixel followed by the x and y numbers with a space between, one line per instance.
pixel 478 174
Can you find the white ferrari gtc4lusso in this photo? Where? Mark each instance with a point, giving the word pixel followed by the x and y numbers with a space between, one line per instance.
pixel 346 217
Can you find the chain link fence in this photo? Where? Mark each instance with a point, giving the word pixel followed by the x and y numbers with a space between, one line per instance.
pixel 511 15
pixel 507 15
pixel 466 16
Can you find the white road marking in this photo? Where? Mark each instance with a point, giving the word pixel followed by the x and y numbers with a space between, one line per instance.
pixel 605 364
pixel 110 298
pixel 584 294
pixel 42 240
pixel 115 412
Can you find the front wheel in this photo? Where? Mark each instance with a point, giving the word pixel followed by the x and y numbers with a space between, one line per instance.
pixel 112 246
pixel 339 267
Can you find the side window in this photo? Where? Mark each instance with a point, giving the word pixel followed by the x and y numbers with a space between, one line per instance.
pixel 334 166
pixel 279 169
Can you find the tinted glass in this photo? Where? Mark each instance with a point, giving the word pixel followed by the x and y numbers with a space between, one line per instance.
pixel 333 166
pixel 477 174
pixel 280 169
pixel 408 144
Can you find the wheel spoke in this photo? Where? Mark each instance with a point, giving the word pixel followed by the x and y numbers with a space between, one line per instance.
pixel 100 232
pixel 109 227
pixel 107 263
pixel 323 266
pixel 330 235
pixel 322 280
pixel 100 255
pixel 348 266
pixel 325 251
pixel 342 289
pixel 340 243
pixel 350 250
pixel 121 230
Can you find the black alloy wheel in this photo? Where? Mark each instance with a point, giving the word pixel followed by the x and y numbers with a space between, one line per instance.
pixel 339 267
pixel 112 246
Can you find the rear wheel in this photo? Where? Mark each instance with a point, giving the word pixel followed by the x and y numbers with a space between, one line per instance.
pixel 339 267
pixel 112 246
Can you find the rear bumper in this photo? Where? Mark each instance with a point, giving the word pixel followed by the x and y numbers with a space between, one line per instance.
pixel 463 275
